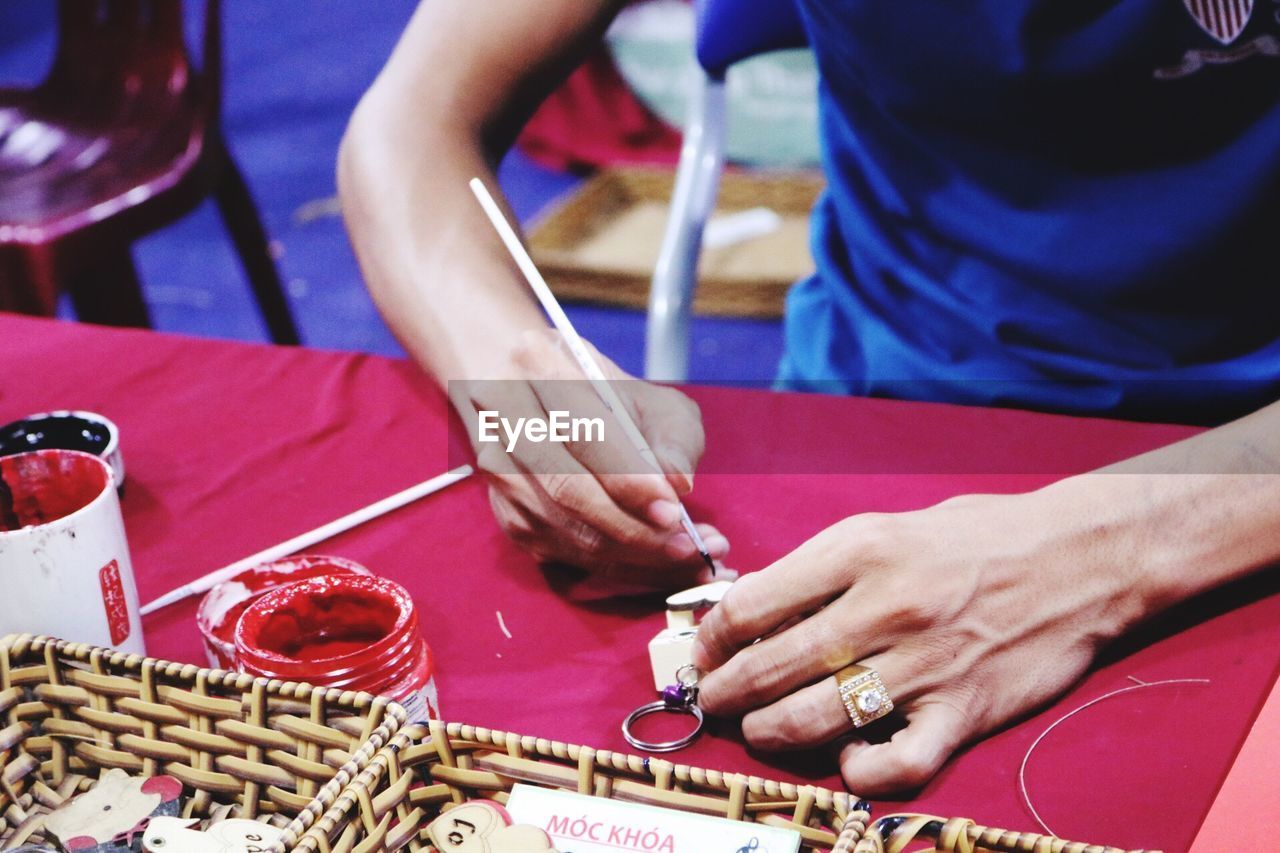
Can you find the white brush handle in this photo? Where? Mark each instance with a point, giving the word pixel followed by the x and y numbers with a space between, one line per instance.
pixel 311 537
pixel 576 345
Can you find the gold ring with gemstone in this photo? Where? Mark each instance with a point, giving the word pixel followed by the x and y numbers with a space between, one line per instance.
pixel 863 693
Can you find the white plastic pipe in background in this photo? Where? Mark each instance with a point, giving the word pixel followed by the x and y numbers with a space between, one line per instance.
pixel 666 354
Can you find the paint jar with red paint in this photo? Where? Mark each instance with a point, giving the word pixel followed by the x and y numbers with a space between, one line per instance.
pixel 64 560
pixel 220 610
pixel 344 631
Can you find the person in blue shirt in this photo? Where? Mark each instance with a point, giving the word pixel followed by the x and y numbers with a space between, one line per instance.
pixel 1051 204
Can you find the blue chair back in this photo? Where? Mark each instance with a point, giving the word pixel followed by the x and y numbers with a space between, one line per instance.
pixel 730 31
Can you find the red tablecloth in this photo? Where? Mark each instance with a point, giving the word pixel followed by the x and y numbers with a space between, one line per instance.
pixel 231 448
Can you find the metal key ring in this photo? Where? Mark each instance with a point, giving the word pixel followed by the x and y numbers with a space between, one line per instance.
pixel 678 698
pixel 666 745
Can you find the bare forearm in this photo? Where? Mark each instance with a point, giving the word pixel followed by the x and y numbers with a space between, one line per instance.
pixel 449 101
pixel 1182 519
pixel 430 259
pixel 983 607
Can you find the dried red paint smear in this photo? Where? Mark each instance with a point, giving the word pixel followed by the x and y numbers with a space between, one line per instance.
pixel 114 602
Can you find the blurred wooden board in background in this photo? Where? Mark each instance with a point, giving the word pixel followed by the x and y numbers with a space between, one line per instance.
pixel 601 244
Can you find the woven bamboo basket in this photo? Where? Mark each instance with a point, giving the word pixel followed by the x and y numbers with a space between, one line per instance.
pixel 601 244
pixel 915 832
pixel 242 747
pixel 425 770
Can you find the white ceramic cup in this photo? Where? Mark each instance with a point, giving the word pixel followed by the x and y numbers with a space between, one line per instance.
pixel 64 561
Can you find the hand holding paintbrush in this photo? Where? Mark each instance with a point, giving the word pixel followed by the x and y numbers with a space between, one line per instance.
pixel 664 513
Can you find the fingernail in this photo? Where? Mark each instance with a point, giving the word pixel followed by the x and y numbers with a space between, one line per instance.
pixel 664 513
pixel 717 546
pixel 677 466
pixel 706 700
pixel 721 573
pixel 682 464
pixel 680 547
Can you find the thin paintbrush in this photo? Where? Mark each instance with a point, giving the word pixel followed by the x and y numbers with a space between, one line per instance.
pixel 579 349
pixel 311 537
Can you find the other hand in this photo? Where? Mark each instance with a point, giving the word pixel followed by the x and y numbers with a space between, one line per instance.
pixel 973 612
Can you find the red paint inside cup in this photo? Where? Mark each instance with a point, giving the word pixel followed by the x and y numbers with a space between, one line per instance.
pixel 46 485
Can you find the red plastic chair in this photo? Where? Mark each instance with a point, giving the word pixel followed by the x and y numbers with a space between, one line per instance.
pixel 122 138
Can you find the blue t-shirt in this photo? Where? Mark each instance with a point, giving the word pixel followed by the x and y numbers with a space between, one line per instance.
pixel 1060 204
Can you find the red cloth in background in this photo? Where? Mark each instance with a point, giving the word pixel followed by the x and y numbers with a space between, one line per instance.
pixel 595 120
pixel 231 448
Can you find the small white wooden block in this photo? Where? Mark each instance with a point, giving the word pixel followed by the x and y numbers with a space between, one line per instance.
pixel 671 649
pixel 700 597
pixel 682 607
pixel 729 229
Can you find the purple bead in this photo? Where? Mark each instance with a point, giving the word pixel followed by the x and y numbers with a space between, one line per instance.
pixel 675 696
